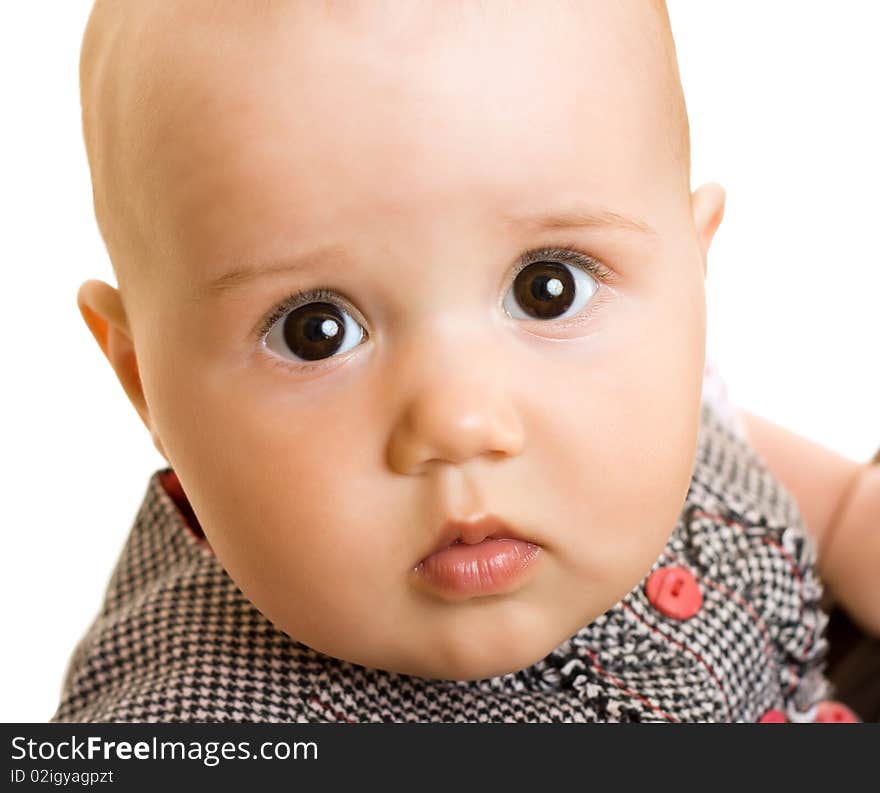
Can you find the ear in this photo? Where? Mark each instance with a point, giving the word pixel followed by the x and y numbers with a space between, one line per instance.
pixel 104 313
pixel 707 206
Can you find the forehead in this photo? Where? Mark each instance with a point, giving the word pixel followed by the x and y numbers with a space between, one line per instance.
pixel 302 123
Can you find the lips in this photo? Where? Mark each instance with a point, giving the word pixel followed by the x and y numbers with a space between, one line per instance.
pixel 473 531
pixel 476 558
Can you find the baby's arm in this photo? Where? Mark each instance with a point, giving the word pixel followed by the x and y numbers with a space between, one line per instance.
pixel 839 500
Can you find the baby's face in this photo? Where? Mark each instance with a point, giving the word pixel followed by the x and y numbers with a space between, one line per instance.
pixel 511 317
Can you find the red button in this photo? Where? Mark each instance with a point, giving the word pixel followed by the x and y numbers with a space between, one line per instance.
pixel 830 712
pixel 673 591
pixel 773 716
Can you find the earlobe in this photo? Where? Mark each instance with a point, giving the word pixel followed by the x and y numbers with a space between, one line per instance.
pixel 707 205
pixel 104 313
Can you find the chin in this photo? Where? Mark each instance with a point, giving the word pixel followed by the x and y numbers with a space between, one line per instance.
pixel 462 660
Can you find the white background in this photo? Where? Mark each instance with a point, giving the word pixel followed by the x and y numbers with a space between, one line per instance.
pixel 783 107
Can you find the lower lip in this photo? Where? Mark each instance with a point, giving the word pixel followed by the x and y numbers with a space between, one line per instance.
pixel 489 567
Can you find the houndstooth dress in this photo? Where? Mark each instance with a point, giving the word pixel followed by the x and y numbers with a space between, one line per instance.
pixel 176 640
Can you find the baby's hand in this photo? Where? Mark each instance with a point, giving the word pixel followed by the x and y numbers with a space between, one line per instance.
pixel 850 552
pixel 839 500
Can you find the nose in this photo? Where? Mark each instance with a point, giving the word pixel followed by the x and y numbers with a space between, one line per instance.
pixel 453 421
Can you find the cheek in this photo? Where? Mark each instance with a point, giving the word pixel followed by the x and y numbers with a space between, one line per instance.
pixel 621 438
pixel 298 523
pixel 282 486
pixel 300 475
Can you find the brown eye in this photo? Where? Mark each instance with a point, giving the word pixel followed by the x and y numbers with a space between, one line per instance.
pixel 315 331
pixel 547 290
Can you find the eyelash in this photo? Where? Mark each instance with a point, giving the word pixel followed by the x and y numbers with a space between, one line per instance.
pixel 567 254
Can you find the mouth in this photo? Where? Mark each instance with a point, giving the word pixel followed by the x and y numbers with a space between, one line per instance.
pixel 477 557
pixel 474 531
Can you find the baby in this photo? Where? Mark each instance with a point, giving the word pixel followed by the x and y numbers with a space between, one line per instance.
pixel 411 299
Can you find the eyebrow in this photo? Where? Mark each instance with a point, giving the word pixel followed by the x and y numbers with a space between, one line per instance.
pixel 242 274
pixel 581 217
pixel 576 218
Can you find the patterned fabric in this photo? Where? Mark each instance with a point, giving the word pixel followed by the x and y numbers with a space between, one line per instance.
pixel 176 640
pixel 717 393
